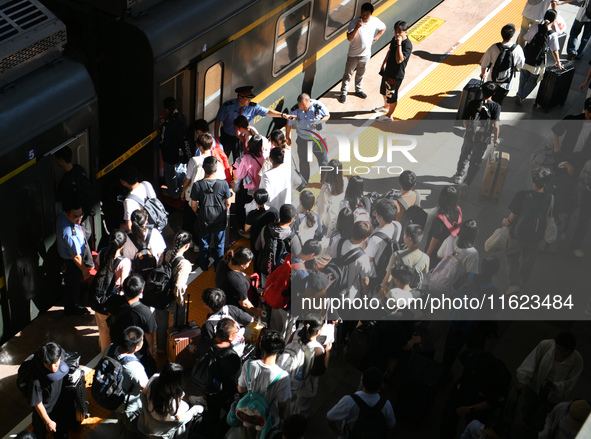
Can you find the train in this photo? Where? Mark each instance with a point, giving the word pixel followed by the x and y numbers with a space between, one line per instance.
pixel 92 75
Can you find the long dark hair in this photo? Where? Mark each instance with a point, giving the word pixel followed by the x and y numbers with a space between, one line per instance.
pixel 181 239
pixel 277 138
pixel 467 234
pixel 307 201
pixel 310 326
pixel 239 256
pixel 255 146
pixel 117 241
pixel 345 221
pixel 166 391
pixel 334 177
pixel 138 226
pixel 354 192
pixel 447 204
pixel 173 113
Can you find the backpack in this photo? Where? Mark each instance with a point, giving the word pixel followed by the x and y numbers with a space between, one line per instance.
pixel 391 247
pixel 239 343
pixel 277 291
pixel 176 142
pixel 212 209
pixel 563 188
pixel 445 274
pixel 463 319
pixel 206 373
pixel 371 422
pixel 273 248
pixel 107 383
pixel 531 223
pixel 297 360
pixel 503 70
pixel 480 125
pixel 535 50
pixel 102 286
pixel 252 410
pixel 337 270
pixel 144 262
pixel 25 374
pixel 157 292
pixel 157 214
pixel 417 279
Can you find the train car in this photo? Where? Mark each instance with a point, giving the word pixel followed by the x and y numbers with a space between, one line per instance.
pixel 141 52
pixel 47 101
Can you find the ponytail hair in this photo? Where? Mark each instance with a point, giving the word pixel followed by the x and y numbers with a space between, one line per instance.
pixel 239 256
pixel 118 239
pixel 181 239
pixel 138 226
pixel 307 201
pixel 311 325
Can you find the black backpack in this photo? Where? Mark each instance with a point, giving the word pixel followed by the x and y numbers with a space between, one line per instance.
pixel 107 384
pixel 391 247
pixel 144 261
pixel 363 346
pixel 157 291
pixel 418 277
pixel 480 124
pixel 503 70
pixel 206 373
pixel 273 248
pixel 535 50
pixel 102 286
pixel 371 422
pixel 337 269
pixel 177 142
pixel 211 215
pixel 531 222
pixel 157 214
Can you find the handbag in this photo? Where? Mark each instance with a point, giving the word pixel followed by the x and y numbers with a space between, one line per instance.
pixel 497 241
pixel 551 232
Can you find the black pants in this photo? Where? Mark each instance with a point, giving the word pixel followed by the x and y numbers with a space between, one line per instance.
pixel 72 280
pixel 231 145
pixel 57 415
pixel 471 156
pixel 500 95
pixel 321 156
pixel 189 218
pixel 242 199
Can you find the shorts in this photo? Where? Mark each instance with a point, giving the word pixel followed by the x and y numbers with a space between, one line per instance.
pixel 389 88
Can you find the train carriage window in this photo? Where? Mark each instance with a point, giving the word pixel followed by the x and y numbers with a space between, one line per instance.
pixel 212 95
pixel 292 36
pixel 340 13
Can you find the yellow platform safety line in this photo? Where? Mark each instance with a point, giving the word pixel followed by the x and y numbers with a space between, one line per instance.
pixel 18 170
pixel 445 77
pixel 423 28
pixel 131 151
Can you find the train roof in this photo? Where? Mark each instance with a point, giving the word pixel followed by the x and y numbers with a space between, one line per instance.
pixel 42 99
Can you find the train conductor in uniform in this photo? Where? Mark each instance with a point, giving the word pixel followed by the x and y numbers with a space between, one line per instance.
pixel 307 115
pixel 233 108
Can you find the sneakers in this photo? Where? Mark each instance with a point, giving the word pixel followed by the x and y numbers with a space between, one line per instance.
pixel 244 234
pixel 458 178
pixel 571 56
pixel 519 100
pixel 343 98
pixel 384 118
pixel 75 311
pixel 361 94
pixel 464 191
pixel 578 253
pixel 381 109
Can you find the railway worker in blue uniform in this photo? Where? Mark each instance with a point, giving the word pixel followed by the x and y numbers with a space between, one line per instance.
pixel 71 245
pixel 233 108
pixel 308 115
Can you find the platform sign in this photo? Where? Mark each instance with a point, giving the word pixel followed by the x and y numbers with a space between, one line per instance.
pixel 424 28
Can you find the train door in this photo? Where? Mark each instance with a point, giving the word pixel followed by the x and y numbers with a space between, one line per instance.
pixel 27 230
pixel 181 88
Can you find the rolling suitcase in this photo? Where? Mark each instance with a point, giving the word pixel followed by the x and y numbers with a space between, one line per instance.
pixel 555 86
pixel 180 338
pixel 74 390
pixel 472 90
pixel 494 175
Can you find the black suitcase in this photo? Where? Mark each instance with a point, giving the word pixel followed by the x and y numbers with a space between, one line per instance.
pixel 472 90
pixel 555 86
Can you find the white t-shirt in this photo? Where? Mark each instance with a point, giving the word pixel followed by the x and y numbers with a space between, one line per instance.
pixel 581 13
pixel 347 410
pixel 535 9
pixel 467 257
pixel 156 245
pixel 361 44
pixel 261 376
pixel 277 181
pixel 143 191
pixel 196 162
pixel 361 268
pixel 552 43
pixel 376 245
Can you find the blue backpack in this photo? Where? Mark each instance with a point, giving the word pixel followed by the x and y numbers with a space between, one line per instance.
pixel 107 383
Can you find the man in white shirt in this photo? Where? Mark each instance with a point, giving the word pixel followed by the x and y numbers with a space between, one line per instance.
pixel 361 35
pixel 129 179
pixel 387 231
pixel 346 411
pixel 360 268
pixel 502 78
pixel 277 180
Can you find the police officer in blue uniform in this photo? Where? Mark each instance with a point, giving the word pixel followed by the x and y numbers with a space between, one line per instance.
pixel 233 108
pixel 71 246
pixel 308 115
